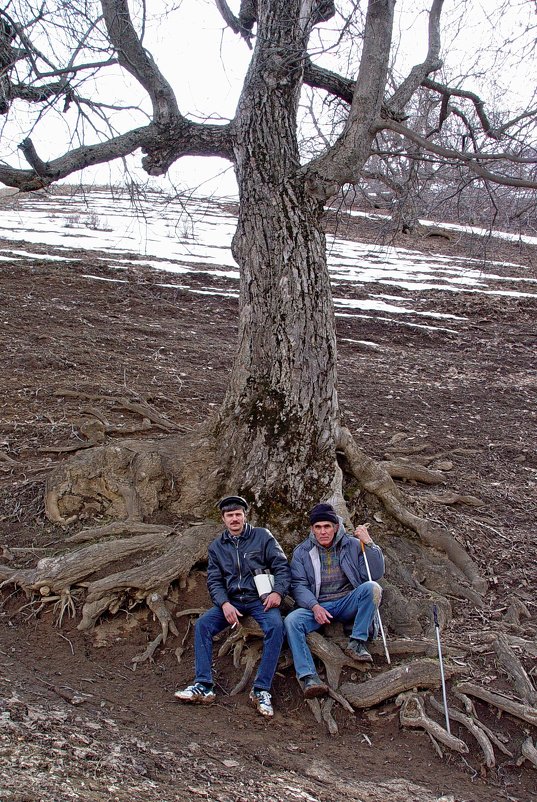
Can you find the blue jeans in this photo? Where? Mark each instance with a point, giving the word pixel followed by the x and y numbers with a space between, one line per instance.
pixel 213 621
pixel 360 604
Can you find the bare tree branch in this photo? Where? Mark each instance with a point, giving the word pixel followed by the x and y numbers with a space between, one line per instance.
pixel 479 105
pixel 419 72
pixel 184 139
pixel 138 62
pixel 235 23
pixel 472 159
pixel 320 78
pixel 342 163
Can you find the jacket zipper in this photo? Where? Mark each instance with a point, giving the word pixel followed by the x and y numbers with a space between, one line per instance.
pixel 238 564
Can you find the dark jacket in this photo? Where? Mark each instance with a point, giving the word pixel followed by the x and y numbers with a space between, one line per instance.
pixel 306 566
pixel 232 561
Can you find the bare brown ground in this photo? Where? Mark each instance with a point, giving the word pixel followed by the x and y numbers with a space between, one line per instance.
pixel 76 722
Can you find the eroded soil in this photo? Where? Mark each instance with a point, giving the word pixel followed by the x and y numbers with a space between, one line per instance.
pixel 77 723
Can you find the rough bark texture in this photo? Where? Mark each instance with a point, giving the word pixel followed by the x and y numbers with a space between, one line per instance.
pixel 421 674
pixel 277 422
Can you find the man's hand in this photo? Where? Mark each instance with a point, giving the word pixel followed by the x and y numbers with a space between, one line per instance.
pixel 231 613
pixel 321 615
pixel 272 600
pixel 362 534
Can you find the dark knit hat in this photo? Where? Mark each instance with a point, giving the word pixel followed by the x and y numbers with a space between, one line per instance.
pixel 323 512
pixel 230 503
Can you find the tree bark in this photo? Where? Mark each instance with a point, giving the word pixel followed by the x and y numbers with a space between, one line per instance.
pixel 277 424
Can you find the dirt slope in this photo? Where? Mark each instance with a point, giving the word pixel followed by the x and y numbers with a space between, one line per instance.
pixel 76 722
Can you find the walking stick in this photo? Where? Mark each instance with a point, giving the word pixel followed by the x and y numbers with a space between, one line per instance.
pixel 437 627
pixel 386 652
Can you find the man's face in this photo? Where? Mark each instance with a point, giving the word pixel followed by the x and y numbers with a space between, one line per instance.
pixel 234 521
pixel 325 532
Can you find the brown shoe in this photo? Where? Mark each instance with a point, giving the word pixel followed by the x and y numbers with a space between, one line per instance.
pixel 313 686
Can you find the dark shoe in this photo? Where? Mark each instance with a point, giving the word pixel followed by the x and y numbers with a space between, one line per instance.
pixel 357 651
pixel 262 701
pixel 313 686
pixel 197 694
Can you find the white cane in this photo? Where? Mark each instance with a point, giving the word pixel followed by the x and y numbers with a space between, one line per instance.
pixel 386 652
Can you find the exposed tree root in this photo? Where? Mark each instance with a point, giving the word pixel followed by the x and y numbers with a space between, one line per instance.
pixel 253 655
pixel 528 752
pixel 191 611
pixel 115 529
pixel 65 449
pixel 455 498
pixel 181 553
pixel 333 658
pixel 418 674
pixel 122 481
pixel 409 646
pixel 413 714
pixel 315 707
pixel 414 473
pixel 524 712
pixel 156 604
pixel 376 481
pixel 149 652
pixel 471 711
pixel 326 712
pixel 59 573
pixel 515 670
pixel 148 581
pixel 473 726
pixel 139 407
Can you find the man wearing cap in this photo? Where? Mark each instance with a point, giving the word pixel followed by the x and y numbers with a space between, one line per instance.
pixel 329 582
pixel 247 574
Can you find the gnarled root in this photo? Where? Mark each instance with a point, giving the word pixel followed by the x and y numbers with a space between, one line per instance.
pixel 251 658
pixel 418 674
pixel 248 628
pixel 515 670
pixel 326 711
pixel 413 714
pixel 181 553
pixel 59 573
pixel 472 726
pixel 524 712
pixel 155 602
pixel 122 482
pixel 149 652
pixel 332 657
pixel 378 482
pixel 528 752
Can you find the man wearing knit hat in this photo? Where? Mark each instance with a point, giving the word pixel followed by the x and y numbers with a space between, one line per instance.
pixel 329 582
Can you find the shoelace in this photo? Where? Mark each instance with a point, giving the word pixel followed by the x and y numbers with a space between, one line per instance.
pixel 264 697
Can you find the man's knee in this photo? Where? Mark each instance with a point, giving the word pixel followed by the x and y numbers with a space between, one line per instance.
pixel 376 592
pixel 291 621
pixel 370 590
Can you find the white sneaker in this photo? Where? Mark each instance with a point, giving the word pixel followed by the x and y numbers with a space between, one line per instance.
pixel 262 701
pixel 197 693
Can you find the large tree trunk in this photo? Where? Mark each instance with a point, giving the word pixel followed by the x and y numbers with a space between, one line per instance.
pixel 278 421
pixel 275 437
